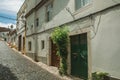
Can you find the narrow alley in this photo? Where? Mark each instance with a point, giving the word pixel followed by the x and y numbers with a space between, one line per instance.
pixel 59 39
pixel 14 66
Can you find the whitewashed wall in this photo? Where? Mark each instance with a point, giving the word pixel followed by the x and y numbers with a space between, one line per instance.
pixel 105 45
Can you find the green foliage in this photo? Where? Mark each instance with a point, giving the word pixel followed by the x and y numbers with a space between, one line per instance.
pixel 63 66
pixel 60 38
pixel 99 75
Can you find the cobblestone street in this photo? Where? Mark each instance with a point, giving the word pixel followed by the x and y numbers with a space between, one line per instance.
pixel 14 66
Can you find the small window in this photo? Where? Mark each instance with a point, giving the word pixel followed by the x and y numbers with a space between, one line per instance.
pixel 42 44
pixel 31 29
pixel 49 10
pixel 31 26
pixel 29 45
pixel 37 22
pixel 81 3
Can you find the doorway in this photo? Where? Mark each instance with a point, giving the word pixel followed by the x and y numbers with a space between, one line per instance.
pixel 23 44
pixel 19 42
pixel 79 56
pixel 55 59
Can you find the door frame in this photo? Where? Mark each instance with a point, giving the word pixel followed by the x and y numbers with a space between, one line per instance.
pixel 77 32
pixel 50 52
pixel 51 55
pixel 20 43
pixel 23 45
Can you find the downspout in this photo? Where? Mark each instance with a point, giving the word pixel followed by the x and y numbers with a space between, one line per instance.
pixel 25 39
pixel 35 36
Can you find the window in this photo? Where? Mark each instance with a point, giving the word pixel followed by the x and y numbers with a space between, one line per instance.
pixel 37 22
pixel 81 3
pixel 42 44
pixel 31 28
pixel 29 45
pixel 49 10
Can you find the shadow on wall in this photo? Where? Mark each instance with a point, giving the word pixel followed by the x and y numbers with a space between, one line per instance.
pixel 6 74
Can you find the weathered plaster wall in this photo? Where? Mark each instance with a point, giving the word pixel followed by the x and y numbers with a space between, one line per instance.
pixel 32 52
pixel 33 44
pixel 43 53
pixel 30 4
pixel 105 45
pixel 30 24
pixel 61 15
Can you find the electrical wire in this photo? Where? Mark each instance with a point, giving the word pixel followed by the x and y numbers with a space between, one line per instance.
pixel 8 18
pixel 97 28
pixel 68 10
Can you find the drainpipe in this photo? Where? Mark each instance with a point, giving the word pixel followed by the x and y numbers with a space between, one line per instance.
pixel 24 23
pixel 25 39
pixel 35 36
pixel 36 44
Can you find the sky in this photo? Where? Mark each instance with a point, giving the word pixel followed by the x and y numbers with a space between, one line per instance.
pixel 9 9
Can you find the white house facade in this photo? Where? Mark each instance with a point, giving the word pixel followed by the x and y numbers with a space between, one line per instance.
pixel 94 34
pixel 21 22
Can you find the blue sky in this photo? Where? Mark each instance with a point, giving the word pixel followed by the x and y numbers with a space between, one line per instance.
pixel 7 14
pixel 9 9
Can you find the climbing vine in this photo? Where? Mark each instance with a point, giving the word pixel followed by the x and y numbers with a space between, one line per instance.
pixel 60 38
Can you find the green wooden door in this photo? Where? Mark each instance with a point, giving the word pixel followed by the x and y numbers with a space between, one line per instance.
pixel 79 63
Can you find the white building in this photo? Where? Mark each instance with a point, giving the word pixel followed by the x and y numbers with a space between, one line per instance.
pixel 12 38
pixel 4 33
pixel 3 36
pixel 21 22
pixel 94 34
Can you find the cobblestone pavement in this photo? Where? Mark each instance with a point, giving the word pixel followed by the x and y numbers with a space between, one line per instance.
pixel 14 66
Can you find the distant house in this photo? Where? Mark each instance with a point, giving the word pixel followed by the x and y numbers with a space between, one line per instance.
pixel 12 38
pixel 3 33
pixel 94 34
